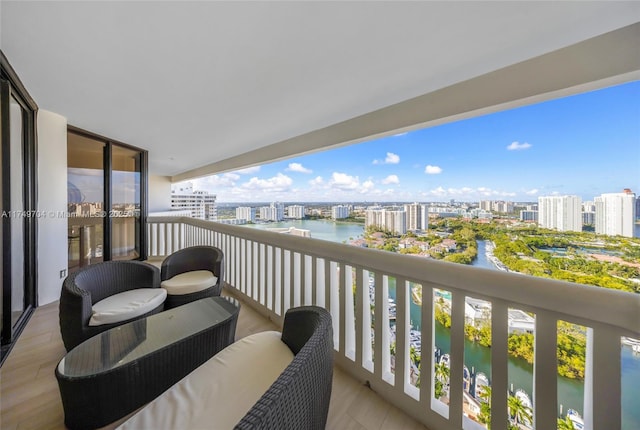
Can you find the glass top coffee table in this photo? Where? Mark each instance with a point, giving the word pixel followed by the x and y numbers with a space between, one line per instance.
pixel 112 374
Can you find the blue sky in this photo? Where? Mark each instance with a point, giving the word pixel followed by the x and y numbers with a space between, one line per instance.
pixel 585 145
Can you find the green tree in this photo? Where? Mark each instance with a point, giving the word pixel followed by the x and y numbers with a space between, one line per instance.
pixel 565 424
pixel 485 405
pixel 442 373
pixel 521 413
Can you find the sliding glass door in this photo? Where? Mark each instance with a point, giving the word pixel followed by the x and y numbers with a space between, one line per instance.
pixel 18 223
pixel 106 183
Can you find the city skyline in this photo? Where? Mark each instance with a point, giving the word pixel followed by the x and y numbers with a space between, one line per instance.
pixel 584 145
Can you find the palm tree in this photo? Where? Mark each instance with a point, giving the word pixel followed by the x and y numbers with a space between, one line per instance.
pixel 519 411
pixel 565 424
pixel 442 372
pixel 485 406
pixel 414 355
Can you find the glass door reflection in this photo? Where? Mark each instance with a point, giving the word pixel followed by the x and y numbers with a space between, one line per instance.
pixel 85 199
pixel 125 203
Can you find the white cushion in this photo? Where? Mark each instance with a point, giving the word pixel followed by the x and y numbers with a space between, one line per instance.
pixel 220 392
pixel 126 305
pixel 189 282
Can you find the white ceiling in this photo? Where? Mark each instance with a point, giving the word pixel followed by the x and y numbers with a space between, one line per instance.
pixel 197 83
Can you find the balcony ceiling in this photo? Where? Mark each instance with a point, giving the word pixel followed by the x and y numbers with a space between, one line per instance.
pixel 199 83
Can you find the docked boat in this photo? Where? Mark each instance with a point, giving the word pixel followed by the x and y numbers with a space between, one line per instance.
pixel 466 379
pixel 524 398
pixel 481 382
pixel 445 359
pixel 576 419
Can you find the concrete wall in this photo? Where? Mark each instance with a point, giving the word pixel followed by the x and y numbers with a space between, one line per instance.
pixel 159 193
pixel 52 204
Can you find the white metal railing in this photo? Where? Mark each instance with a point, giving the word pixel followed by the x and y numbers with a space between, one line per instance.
pixel 274 272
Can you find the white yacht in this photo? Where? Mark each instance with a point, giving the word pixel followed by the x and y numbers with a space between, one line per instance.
pixel 576 419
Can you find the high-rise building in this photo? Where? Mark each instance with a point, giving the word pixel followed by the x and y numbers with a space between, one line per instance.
pixel 295 211
pixel 388 219
pixel 502 206
pixel 273 212
pixel 396 221
pixel 246 213
pixel 485 205
pixel 562 213
pixel 414 216
pixel 340 212
pixel 616 213
pixel 201 204
pixel 529 216
pixel 589 218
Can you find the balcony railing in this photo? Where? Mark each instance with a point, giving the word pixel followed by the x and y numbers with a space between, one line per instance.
pixel 275 271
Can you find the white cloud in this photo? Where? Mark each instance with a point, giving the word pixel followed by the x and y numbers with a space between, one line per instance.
pixel 532 192
pixel 279 182
pixel 467 193
pixel 391 179
pixel 343 181
pixel 432 170
pixel 400 134
pixel 367 186
pixel 517 146
pixel 213 182
pixel 248 170
pixel 297 167
pixel 391 158
pixel 317 181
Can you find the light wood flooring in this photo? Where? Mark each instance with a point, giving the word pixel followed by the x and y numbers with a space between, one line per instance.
pixel 30 398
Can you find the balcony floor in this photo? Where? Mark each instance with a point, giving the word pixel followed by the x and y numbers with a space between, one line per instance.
pixel 30 397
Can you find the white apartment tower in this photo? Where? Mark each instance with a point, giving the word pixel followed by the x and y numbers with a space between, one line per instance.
pixel 396 221
pixel 485 205
pixel 340 212
pixel 414 216
pixel 562 213
pixel 201 204
pixel 616 213
pixel 295 211
pixel 273 212
pixel 388 219
pixel 424 217
pixel 246 213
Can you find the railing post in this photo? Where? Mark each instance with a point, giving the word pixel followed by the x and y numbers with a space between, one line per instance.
pixel 427 355
pixel 499 364
pixel 402 347
pixel 545 372
pixel 457 358
pixel 602 385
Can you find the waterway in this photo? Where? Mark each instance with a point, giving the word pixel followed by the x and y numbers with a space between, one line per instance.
pixel 333 231
pixel 478 358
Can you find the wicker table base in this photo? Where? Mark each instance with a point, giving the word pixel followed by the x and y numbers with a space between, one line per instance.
pixel 114 373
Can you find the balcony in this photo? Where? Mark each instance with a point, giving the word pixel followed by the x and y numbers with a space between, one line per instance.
pixel 195 113
pixel 272 272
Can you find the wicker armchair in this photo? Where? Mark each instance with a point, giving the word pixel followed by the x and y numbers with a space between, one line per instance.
pixel 81 290
pixel 191 259
pixel 215 394
pixel 299 398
